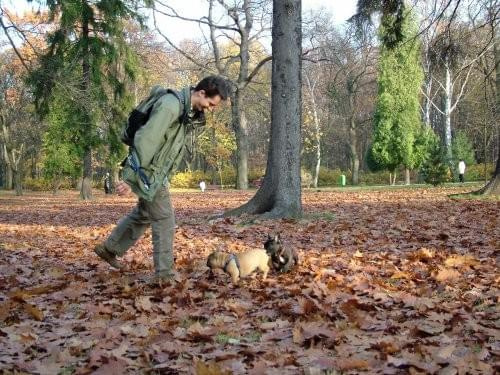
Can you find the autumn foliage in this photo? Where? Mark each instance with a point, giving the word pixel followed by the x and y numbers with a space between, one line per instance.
pixel 390 282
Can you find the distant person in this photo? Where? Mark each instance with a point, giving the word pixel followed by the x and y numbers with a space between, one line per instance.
pixel 461 170
pixel 203 186
pixel 107 183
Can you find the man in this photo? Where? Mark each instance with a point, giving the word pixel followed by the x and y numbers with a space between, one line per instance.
pixel 107 183
pixel 158 147
pixel 461 170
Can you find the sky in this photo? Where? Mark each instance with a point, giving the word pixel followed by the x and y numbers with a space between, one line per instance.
pixel 177 30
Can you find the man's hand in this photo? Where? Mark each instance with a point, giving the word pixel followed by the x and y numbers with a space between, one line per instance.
pixel 122 188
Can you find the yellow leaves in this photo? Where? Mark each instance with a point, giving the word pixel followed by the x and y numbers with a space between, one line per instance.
pixel 423 254
pixel 202 368
pixel 34 311
pixel 358 254
pixel 447 275
pixel 461 261
pixel 401 275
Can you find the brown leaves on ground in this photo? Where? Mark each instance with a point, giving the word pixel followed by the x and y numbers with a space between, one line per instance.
pixel 390 282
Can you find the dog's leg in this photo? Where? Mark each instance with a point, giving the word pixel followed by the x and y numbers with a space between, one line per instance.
pixel 234 272
pixel 265 269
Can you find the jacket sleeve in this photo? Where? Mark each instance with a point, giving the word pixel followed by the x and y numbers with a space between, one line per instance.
pixel 150 137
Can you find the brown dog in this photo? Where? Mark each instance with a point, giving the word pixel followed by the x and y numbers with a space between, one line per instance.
pixel 241 264
pixel 283 259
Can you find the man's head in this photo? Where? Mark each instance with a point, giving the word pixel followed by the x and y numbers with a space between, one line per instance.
pixel 209 92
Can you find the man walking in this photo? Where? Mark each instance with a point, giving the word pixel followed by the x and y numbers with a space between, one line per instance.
pixel 461 170
pixel 158 147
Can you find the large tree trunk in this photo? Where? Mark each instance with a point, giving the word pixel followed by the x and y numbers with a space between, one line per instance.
pixel 493 187
pixel 353 147
pixel 86 191
pixel 407 176
pixel 280 194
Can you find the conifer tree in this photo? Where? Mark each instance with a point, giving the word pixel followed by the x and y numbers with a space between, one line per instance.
pixel 399 137
pixel 88 42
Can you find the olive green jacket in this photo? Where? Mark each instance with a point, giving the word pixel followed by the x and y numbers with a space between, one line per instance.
pixel 159 145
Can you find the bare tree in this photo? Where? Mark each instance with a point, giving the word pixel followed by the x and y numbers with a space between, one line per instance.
pixel 238 27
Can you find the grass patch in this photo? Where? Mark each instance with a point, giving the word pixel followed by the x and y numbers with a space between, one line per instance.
pixel 323 215
pixel 224 338
pixel 475 197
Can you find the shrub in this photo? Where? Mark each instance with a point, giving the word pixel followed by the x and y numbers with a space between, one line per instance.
pixel 329 177
pixel 188 179
pixel 306 179
pixel 462 149
pixel 476 172
pixel 374 178
pixel 45 184
pixel 435 170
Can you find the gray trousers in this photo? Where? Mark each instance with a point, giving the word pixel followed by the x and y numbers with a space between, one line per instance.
pixel 160 215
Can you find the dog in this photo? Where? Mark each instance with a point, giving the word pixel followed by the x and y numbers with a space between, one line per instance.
pixel 282 259
pixel 241 264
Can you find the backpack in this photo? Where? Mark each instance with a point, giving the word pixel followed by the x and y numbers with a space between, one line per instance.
pixel 140 114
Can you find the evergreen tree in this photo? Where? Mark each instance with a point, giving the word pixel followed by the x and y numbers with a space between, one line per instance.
pixel 436 169
pixel 462 149
pixel 399 136
pixel 88 43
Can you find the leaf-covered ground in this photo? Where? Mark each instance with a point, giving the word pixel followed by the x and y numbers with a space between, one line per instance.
pixel 390 282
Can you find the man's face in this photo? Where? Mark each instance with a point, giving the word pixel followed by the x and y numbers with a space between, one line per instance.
pixel 201 102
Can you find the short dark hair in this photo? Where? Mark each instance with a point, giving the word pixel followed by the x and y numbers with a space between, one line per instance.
pixel 214 85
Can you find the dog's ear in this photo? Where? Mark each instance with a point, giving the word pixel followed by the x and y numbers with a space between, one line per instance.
pixel 277 238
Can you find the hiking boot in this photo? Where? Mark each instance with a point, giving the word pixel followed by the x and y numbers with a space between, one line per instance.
pixel 157 281
pixel 109 257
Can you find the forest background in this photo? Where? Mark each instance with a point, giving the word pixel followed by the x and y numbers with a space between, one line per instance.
pixel 64 103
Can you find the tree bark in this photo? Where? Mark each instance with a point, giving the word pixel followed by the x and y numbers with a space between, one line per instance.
pixel 407 176
pixel 493 186
pixel 280 193
pixel 241 132
pixel 8 181
pixel 353 147
pixel 86 191
pixel 447 112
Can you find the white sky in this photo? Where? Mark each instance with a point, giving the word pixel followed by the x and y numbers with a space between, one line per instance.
pixel 177 30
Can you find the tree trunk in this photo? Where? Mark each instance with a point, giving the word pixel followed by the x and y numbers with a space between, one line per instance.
pixel 317 131
pixel 493 187
pixel 353 147
pixel 241 131
pixel 407 176
pixel 392 178
pixel 18 187
pixel 86 191
pixel 427 100
pixel 9 179
pixel 280 194
pixel 447 113
pixel 56 184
